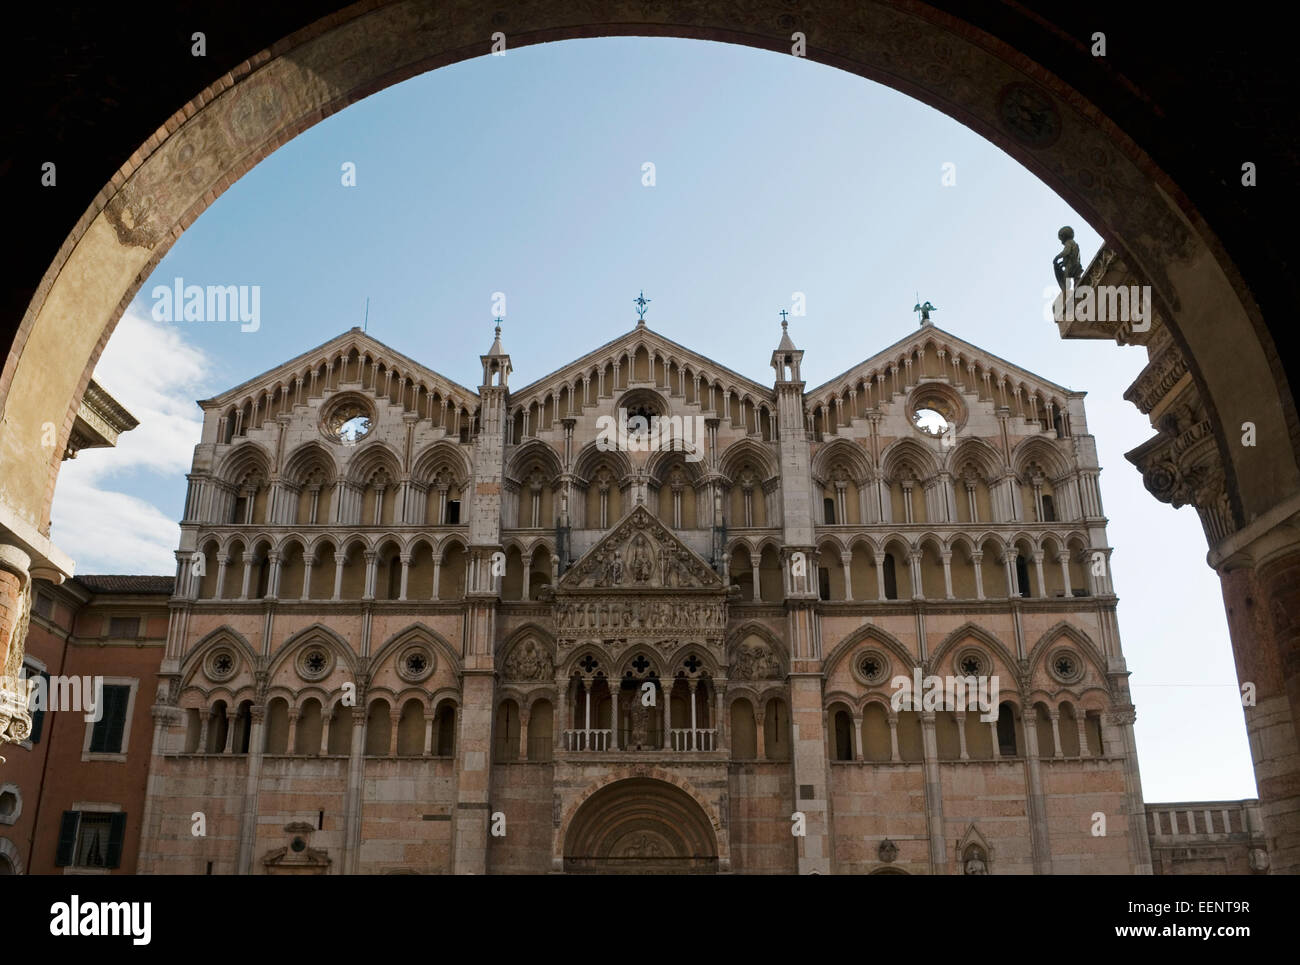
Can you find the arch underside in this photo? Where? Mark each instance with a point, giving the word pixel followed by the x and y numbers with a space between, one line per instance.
pixel 996 91
pixel 640 826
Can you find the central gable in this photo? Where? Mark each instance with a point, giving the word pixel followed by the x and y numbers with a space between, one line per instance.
pixel 643 337
pixel 640 553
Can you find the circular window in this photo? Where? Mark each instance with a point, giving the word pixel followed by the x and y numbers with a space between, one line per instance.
pixel 931 421
pixel 936 411
pixel 221 664
pixel 871 667
pixel 415 663
pixel 971 663
pixel 314 662
pixel 1065 666
pixel 298 845
pixel 347 420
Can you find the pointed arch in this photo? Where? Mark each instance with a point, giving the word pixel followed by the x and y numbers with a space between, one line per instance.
pixel 1046 454
pixel 223 634
pixel 245 458
pixel 534 450
pixel 742 451
pixel 331 638
pixel 306 457
pixel 422 633
pixel 873 633
pixel 371 457
pixel 842 451
pixel 590 457
pixel 908 452
pixel 978 454
pixel 756 629
pixel 439 455
pixel 1084 642
pixel 971 630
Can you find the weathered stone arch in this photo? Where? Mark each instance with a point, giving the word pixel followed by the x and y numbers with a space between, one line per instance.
pixel 603 828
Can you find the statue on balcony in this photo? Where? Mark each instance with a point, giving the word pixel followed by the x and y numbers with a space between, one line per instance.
pixel 1067 265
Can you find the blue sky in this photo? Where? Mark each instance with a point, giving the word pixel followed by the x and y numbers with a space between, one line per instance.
pixel 523 174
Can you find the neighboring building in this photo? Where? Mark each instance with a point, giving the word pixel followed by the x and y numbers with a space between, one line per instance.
pixel 71 795
pixel 423 628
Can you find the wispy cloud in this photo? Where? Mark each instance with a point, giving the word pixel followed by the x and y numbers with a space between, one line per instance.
pixel 156 375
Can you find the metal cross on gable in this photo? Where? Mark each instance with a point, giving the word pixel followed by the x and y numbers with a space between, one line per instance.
pixel 641 302
pixel 783 313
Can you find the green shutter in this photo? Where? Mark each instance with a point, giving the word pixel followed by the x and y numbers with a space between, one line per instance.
pixel 117 832
pixel 67 838
pixel 106 738
pixel 38 716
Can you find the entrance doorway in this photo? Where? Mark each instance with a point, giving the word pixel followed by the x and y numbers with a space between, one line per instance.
pixel 640 826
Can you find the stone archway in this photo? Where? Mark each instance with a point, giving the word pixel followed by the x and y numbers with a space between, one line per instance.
pixel 640 826
pixel 1061 132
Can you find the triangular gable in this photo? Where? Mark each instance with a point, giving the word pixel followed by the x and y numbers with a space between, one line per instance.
pixel 919 337
pixel 640 553
pixel 663 346
pixel 344 343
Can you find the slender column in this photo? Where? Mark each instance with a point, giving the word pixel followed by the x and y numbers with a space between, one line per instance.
pixel 273 581
pixel 857 737
pixel 339 560
pixel 880 577
pixel 1081 719
pixel 370 556
pixel 758 595
pixel 1034 803
pixel 1055 718
pixel 947 575
pixel 846 561
pixel 718 717
pixel 668 717
pixel 222 563
pixel 977 560
pixel 993 732
pixel 893 737
pixel 429 719
pixel 1038 567
pixel 352 802
pixel 691 740
pixel 406 572
pixel 292 745
pixel 961 734
pixel 249 559
pixel 306 577
pixel 613 714
pixel 393 721
pixel 760 727
pixel 933 795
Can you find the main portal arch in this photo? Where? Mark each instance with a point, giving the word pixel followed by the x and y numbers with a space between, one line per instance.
pixel 640 826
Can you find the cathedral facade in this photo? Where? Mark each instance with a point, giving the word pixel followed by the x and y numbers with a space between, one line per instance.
pixel 644 614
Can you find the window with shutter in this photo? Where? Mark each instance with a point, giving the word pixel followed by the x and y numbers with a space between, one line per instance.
pixel 37 707
pixel 125 627
pixel 67 838
pixel 106 737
